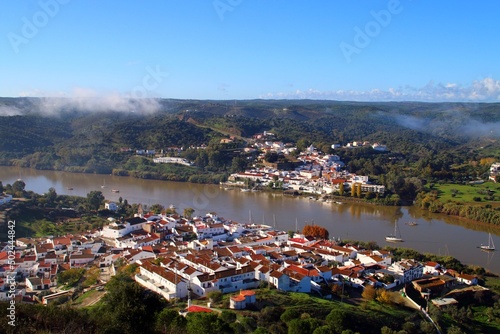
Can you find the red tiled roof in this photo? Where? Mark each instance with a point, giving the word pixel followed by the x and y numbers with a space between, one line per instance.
pixel 238 298
pixel 247 293
pixel 195 308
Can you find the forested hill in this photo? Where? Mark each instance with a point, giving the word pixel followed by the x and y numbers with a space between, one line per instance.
pixel 55 133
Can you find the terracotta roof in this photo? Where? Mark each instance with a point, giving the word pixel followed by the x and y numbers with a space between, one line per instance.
pixel 238 298
pixel 198 309
pixel 247 293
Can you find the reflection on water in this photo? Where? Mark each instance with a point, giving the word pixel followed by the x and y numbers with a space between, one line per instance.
pixel 433 234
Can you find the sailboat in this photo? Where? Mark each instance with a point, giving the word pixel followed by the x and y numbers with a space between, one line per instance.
pixel 103 184
pixel 490 246
pixel 394 237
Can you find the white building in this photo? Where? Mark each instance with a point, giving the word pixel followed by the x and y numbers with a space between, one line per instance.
pixel 111 206
pixel 161 280
pixel 172 160
pixel 120 229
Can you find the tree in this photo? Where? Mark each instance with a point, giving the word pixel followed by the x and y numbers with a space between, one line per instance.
pixel 70 277
pixel 271 157
pixel 369 293
pixel 228 316
pixel 384 296
pixel 51 195
pixel 299 326
pixel 238 164
pixel 127 308
pixel 341 189
pixel 302 144
pixel 18 186
pixel 208 323
pixel 289 315
pixel 215 296
pixel 170 321
pixel 95 199
pixel 1 187
pixel 188 212
pixel 156 208
pixel 315 231
pixel 322 330
pixel 358 189
pixel 338 320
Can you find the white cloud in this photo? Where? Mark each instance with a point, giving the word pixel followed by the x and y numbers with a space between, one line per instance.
pixel 484 90
pixel 87 100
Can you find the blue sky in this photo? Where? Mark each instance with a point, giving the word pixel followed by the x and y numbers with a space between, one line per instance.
pixel 246 49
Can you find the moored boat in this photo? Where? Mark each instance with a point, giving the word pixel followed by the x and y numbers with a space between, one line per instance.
pixel 490 246
pixel 396 237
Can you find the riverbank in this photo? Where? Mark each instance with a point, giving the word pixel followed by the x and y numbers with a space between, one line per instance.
pixel 203 178
pixel 435 233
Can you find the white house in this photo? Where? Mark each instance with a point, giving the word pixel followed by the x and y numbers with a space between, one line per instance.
pixel 111 206
pixel 280 280
pixel 120 229
pixel 407 270
pixel 161 280
pixel 80 260
pixel 467 279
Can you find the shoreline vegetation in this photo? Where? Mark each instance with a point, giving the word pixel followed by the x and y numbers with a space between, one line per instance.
pixel 486 215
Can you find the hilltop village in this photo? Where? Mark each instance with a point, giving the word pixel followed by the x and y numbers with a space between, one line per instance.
pixel 279 165
pixel 188 257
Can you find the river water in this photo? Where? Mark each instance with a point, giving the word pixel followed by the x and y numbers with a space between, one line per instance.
pixel 438 234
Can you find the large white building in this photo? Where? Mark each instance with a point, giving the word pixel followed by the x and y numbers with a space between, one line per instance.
pixel 122 228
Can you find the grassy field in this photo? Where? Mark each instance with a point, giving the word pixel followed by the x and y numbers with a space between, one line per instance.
pixel 488 192
pixel 492 283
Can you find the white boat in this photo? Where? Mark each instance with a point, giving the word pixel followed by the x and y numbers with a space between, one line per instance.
pixel 115 190
pixel 396 237
pixel 245 190
pixel 103 184
pixel 490 246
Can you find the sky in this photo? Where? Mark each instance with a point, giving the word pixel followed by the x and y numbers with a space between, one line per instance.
pixel 395 50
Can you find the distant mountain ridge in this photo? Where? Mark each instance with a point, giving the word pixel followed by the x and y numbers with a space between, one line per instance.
pixel 73 131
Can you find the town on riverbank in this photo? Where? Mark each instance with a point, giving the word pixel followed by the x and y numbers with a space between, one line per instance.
pixel 177 254
pixel 191 258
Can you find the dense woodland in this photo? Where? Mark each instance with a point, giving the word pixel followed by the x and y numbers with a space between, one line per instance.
pixel 429 143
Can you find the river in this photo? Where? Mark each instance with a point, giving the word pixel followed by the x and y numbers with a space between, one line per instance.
pixel 438 234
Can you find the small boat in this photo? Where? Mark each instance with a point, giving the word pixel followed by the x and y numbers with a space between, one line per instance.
pixel 490 246
pixel 70 188
pixel 115 190
pixel 245 190
pixel 396 237
pixel 103 184
pixel 412 223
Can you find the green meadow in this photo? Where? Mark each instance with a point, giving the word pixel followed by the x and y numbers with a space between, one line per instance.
pixel 486 193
